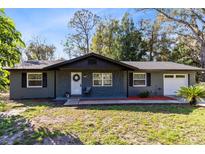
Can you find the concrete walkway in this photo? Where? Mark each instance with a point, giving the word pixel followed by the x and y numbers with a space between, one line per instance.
pixel 201 104
pixel 121 102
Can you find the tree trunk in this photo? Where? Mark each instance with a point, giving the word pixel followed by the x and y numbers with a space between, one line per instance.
pixel 193 101
pixel 87 42
pixel 202 56
pixel 151 56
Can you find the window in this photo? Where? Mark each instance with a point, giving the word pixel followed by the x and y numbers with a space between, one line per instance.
pixel 169 76
pixel 107 79
pixel 102 79
pixel 180 76
pixel 139 79
pixel 34 80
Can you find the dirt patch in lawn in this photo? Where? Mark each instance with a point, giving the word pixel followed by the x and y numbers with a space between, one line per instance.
pixel 46 120
pixel 18 130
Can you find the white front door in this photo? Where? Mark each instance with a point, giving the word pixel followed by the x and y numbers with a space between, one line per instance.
pixel 173 82
pixel 76 81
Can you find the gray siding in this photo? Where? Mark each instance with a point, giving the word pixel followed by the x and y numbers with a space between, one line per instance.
pixel 118 89
pixel 192 78
pixel 157 86
pixel 17 92
pixel 63 83
pixel 100 64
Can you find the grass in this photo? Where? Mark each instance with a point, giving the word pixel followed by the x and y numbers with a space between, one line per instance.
pixel 145 124
pixel 6 104
pixel 2 106
pixel 125 124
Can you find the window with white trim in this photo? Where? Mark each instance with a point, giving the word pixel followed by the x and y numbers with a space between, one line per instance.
pixel 180 76
pixel 169 76
pixel 102 79
pixel 139 79
pixel 34 80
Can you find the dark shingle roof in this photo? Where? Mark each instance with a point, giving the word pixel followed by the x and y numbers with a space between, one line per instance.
pixel 134 65
pixel 35 64
pixel 160 66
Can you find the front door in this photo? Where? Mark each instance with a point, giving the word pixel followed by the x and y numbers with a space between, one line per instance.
pixel 76 81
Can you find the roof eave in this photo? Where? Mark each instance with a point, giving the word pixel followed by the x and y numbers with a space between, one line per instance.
pixel 24 69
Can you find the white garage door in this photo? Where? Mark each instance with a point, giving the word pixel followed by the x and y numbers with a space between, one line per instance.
pixel 172 83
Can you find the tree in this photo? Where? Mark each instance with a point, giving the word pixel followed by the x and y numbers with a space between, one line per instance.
pixel 39 50
pixel 83 23
pixel 132 45
pixel 98 41
pixel 164 48
pixel 188 23
pixel 150 32
pixel 69 47
pixel 186 53
pixel 157 39
pixel 10 46
pixel 105 39
pixel 119 39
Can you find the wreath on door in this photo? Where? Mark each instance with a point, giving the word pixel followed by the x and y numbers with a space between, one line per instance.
pixel 76 77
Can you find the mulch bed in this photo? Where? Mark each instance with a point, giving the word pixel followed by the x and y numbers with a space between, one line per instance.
pixel 151 98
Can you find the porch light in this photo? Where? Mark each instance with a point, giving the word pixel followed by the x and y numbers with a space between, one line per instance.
pixel 84 76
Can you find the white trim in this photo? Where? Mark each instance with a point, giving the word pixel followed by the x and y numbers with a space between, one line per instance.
pixel 170 75
pixel 139 79
pixel 80 90
pixel 101 79
pixel 35 80
pixel 185 76
pixel 174 77
pixel 93 80
pixel 174 74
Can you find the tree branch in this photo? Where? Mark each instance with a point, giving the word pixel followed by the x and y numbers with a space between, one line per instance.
pixel 198 16
pixel 180 21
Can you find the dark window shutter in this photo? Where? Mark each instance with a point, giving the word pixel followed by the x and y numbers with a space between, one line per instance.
pixel 44 80
pixel 23 80
pixel 148 79
pixel 189 84
pixel 130 79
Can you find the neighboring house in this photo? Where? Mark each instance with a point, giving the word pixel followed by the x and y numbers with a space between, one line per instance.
pixel 96 76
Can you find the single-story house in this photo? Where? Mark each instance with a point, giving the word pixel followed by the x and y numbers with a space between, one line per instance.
pixel 96 76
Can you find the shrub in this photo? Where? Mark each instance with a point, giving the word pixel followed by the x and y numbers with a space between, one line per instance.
pixel 144 94
pixel 4 89
pixel 2 106
pixel 192 94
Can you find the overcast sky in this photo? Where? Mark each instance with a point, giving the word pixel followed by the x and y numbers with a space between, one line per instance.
pixel 51 24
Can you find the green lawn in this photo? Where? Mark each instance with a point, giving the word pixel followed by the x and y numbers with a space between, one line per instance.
pixel 157 124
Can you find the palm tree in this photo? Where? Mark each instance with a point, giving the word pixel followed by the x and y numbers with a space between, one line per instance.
pixel 192 94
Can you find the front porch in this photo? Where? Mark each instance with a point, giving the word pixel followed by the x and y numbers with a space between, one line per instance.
pixel 78 101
